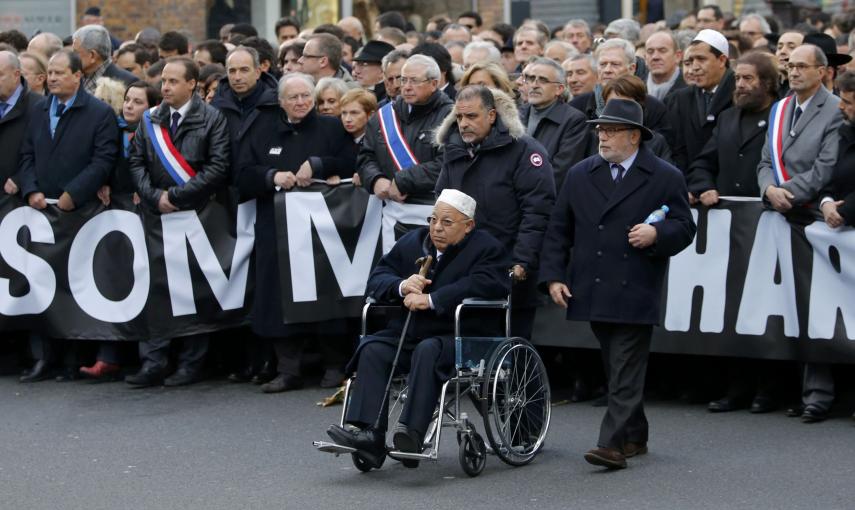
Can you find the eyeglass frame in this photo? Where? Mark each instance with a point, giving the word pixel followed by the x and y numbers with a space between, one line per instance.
pixel 406 79
pixel 445 222
pixel 531 79
pixel 801 67
pixel 611 130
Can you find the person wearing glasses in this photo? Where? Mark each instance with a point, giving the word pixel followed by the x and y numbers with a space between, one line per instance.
pixel 619 263
pixel 392 64
pixel 321 58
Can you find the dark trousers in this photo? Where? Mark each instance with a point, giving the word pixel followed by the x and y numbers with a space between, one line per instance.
pixel 522 322
pixel 424 364
pixel 818 386
pixel 154 353
pixel 335 350
pixel 625 349
pixel 108 352
pixel 52 350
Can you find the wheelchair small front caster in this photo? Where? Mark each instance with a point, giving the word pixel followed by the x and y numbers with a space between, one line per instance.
pixel 362 464
pixel 472 453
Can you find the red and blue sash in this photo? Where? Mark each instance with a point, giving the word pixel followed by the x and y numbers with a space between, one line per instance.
pixel 775 139
pixel 397 145
pixel 172 160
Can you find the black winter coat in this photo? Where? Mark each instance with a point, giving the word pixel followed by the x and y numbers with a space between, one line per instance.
pixel 417 127
pixel 611 281
pixel 13 129
pixel 512 183
pixel 729 160
pixel 842 184
pixel 274 144
pixel 78 159
pixel 117 73
pixel 693 125
pixel 563 133
pixel 202 138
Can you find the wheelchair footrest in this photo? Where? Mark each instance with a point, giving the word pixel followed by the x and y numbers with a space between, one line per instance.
pixel 397 455
pixel 332 447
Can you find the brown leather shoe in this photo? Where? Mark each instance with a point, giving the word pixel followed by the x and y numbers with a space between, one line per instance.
pixel 633 449
pixel 609 458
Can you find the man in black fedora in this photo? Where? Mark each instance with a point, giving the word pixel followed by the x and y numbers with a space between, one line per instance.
pixel 367 67
pixel 618 264
pixel 826 43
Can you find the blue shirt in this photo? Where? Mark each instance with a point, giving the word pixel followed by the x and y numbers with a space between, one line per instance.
pixel 13 99
pixel 54 118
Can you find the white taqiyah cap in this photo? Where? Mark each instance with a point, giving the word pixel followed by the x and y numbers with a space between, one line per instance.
pixel 459 200
pixel 715 39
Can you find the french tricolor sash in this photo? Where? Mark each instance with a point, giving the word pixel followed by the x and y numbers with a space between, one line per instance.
pixel 397 145
pixel 775 139
pixel 172 160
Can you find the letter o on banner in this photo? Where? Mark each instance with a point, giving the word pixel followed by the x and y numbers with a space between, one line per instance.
pixel 81 267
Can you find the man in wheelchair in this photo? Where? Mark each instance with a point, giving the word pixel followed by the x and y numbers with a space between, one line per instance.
pixel 469 263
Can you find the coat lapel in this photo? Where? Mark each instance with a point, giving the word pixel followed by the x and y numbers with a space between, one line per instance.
pixel 813 110
pixel 636 177
pixel 602 179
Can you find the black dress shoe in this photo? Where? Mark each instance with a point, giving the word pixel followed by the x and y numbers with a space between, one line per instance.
pixel 281 383
pixel 795 411
pixel 39 372
pixel 726 404
pixel 183 377
pixel 265 375
pixel 762 404
pixel 146 378
pixel 67 374
pixel 408 441
pixel 333 377
pixel 240 376
pixel 813 414
pixel 369 443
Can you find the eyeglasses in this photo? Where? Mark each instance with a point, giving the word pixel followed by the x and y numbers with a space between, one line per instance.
pixel 802 67
pixel 445 222
pixel 540 80
pixel 415 81
pixel 610 131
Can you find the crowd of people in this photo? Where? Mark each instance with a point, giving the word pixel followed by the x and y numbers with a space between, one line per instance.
pixel 500 113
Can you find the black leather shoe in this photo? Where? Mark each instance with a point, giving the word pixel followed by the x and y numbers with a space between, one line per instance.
pixel 370 443
pixel 726 404
pixel 813 414
pixel 265 375
pixel 795 411
pixel 146 378
pixel 240 376
pixel 39 372
pixel 67 374
pixel 183 377
pixel 333 378
pixel 282 383
pixel 408 441
pixel 762 404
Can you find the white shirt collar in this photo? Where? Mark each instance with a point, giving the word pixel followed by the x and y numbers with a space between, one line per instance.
pixel 183 111
pixel 627 163
pixel 804 105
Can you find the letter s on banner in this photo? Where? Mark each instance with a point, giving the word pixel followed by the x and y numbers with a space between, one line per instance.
pixel 81 267
pixel 39 275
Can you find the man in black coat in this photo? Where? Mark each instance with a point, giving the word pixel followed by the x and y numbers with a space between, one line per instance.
pixel 468 263
pixel 695 110
pixel 559 127
pixel 489 156
pixel 419 109
pixel 838 198
pixel 18 106
pixel 618 264
pixel 92 44
pixel 199 135
pixel 68 153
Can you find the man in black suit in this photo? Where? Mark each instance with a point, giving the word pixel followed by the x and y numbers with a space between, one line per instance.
pixel 469 263
pixel 92 44
pixel 18 106
pixel 618 264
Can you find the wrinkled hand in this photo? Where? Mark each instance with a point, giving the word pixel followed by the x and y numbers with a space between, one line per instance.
pixel 829 211
pixel 709 197
pixel 395 194
pixel 333 180
pixel 779 198
pixel 381 188
pixel 560 293
pixel 356 180
pixel 642 235
pixel 415 284
pixel 285 180
pixel 65 202
pixel 37 201
pixel 519 273
pixel 10 187
pixel 304 175
pixel 416 302
pixel 104 195
pixel 164 205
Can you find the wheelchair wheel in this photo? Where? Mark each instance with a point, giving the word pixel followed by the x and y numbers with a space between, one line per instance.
pixel 516 402
pixel 472 453
pixel 363 465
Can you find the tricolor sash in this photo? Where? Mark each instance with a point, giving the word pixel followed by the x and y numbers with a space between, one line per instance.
pixel 397 145
pixel 775 139
pixel 172 160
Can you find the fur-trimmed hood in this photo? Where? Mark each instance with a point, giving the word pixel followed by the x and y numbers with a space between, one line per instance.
pixel 506 110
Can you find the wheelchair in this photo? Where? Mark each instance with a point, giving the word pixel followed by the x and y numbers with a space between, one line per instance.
pixel 503 377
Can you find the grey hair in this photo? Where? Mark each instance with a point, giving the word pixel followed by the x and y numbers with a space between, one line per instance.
pixel 54 43
pixel 329 82
pixel 11 59
pixel 685 37
pixel 544 61
pixel 541 37
pixel 569 49
pixel 287 76
pixel 392 57
pixel 583 56
pixel 256 62
pixel 818 55
pixel 623 44
pixel 493 54
pixel 764 25
pixel 430 65
pixel 624 28
pixel 580 23
pixel 95 37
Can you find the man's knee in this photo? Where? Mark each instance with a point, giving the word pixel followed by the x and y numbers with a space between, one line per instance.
pixel 428 350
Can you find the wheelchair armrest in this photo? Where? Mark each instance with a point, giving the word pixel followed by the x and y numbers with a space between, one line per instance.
pixel 495 304
pixel 484 303
pixel 372 304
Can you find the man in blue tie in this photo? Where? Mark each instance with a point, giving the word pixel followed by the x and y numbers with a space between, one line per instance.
pixel 18 105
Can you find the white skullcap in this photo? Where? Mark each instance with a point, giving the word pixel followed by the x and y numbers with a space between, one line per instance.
pixel 459 200
pixel 715 39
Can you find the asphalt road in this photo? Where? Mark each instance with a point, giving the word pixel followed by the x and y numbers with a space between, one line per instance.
pixel 219 445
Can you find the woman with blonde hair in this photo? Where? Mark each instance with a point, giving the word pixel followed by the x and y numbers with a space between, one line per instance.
pixel 111 92
pixel 488 74
pixel 357 106
pixel 328 93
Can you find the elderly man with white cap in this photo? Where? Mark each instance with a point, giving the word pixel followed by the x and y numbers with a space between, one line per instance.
pixel 695 109
pixel 467 263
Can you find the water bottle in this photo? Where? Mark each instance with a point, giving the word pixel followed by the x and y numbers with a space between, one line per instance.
pixel 657 215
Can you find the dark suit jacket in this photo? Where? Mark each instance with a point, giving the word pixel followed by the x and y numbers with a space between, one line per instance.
pixel 611 281
pixel 13 128
pixel 78 159
pixel 117 73
pixel 563 134
pixel 842 185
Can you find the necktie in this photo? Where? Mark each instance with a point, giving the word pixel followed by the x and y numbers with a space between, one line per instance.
pixel 60 109
pixel 174 127
pixel 796 115
pixel 3 107
pixel 617 173
pixel 707 101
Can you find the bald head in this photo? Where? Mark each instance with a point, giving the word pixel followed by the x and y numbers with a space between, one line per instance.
pixel 45 44
pixel 352 27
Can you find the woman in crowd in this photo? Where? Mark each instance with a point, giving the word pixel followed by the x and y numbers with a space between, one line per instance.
pixel 209 87
pixel 357 106
pixel 328 94
pixel 289 56
pixel 631 87
pixel 488 74
pixel 307 146
pixel 34 69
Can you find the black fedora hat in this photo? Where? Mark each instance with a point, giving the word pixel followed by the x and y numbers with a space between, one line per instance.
pixel 829 47
pixel 373 51
pixel 624 111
